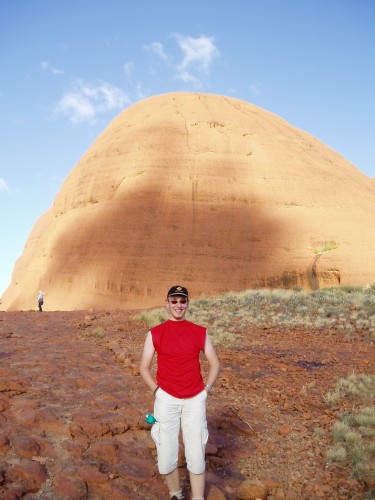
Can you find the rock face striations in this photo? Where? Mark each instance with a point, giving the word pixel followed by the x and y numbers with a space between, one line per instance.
pixel 204 190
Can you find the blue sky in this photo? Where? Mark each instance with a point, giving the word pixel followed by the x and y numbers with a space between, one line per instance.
pixel 69 67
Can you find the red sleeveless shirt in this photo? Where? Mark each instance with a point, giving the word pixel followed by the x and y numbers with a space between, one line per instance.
pixel 178 344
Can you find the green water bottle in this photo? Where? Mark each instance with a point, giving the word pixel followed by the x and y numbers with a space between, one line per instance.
pixel 150 419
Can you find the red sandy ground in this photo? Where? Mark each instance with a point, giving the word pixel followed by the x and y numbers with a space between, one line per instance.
pixel 72 411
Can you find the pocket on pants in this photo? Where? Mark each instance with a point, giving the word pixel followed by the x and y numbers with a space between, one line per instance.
pixel 204 436
pixel 155 433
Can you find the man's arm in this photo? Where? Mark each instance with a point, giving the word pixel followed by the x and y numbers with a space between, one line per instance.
pixel 146 361
pixel 213 361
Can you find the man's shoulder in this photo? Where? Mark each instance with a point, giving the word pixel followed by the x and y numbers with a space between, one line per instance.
pixel 196 327
pixel 158 328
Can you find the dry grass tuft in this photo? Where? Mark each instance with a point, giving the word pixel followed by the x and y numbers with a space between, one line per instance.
pixel 353 435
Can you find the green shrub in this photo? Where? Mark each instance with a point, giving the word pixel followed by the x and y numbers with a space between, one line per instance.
pixel 339 431
pixel 98 332
pixel 153 317
pixel 319 431
pixel 325 248
pixel 336 453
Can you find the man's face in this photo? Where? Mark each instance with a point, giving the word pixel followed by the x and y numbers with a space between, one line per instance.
pixel 177 306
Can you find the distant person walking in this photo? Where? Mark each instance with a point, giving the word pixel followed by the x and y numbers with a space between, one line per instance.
pixel 40 300
pixel 180 392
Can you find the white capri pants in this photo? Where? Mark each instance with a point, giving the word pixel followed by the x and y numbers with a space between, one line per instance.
pixel 169 412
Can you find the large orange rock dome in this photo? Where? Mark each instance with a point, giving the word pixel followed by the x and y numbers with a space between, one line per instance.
pixel 204 190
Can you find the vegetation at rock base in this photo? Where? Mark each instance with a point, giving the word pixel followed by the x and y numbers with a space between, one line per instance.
pixel 353 435
pixel 350 310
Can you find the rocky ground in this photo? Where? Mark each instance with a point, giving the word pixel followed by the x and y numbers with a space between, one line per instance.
pixel 72 411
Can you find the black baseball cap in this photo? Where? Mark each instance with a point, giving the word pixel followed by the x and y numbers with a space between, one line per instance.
pixel 178 290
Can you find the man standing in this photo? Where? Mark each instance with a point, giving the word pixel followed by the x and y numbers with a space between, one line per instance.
pixel 180 393
pixel 40 300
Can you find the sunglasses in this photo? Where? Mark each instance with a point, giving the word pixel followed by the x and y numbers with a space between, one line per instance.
pixel 176 301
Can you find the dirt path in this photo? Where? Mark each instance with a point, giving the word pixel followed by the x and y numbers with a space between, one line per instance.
pixel 72 409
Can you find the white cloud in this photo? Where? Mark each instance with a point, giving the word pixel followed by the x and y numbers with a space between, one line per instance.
pixel 3 185
pixel 48 67
pixel 199 54
pixel 84 102
pixel 158 49
pixel 76 107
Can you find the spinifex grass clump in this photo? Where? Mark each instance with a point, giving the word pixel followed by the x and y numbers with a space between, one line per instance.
pixel 153 317
pixel 96 332
pixel 349 309
pixel 353 386
pixel 354 434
